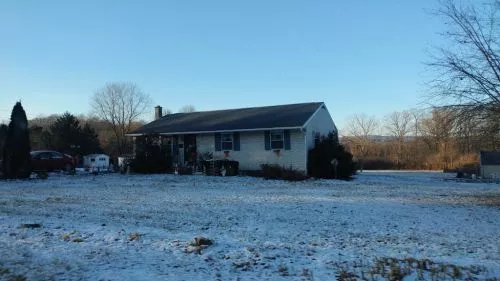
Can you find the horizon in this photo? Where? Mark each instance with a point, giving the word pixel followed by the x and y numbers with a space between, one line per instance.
pixel 355 57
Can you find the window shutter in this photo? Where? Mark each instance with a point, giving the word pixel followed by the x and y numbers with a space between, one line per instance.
pixel 267 140
pixel 286 134
pixel 236 141
pixel 218 142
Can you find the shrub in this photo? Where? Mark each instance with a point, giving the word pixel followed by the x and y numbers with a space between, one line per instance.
pixel 16 150
pixel 185 170
pixel 214 168
pixel 271 172
pixel 467 170
pixel 151 158
pixel 276 172
pixel 321 163
pixel 252 173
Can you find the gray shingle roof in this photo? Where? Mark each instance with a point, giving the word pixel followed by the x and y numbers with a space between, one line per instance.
pixel 490 158
pixel 267 117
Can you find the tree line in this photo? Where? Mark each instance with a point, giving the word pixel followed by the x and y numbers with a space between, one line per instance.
pixel 420 139
pixel 117 109
pixel 463 96
pixel 464 114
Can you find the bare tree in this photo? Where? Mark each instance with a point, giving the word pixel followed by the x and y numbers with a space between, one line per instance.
pixel 417 115
pixel 399 126
pixel 360 129
pixel 167 111
pixel 187 109
pixel 120 105
pixel 467 71
pixel 438 130
pixel 43 121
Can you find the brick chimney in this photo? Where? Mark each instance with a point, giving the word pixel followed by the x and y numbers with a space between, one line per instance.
pixel 158 112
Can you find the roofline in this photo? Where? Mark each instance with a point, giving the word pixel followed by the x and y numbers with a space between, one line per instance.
pixel 312 115
pixel 243 108
pixel 220 131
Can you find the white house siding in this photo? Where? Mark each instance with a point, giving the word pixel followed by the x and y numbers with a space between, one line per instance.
pixel 252 151
pixel 490 171
pixel 322 123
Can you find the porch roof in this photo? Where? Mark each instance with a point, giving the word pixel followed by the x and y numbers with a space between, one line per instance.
pixel 290 116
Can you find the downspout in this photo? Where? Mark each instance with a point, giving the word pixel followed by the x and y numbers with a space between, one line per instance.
pixel 305 147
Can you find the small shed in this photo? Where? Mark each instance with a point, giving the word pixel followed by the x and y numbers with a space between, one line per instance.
pixel 98 162
pixel 490 164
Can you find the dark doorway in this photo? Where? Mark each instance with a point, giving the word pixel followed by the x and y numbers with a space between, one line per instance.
pixel 190 154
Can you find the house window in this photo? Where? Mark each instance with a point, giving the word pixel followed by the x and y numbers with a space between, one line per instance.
pixel 277 140
pixel 227 141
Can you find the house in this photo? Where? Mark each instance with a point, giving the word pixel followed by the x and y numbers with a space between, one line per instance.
pixel 489 162
pixel 281 134
pixel 99 162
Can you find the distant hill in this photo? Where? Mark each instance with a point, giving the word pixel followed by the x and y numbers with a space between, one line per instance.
pixel 377 138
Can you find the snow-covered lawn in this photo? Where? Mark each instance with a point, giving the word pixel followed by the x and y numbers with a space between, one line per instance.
pixel 135 227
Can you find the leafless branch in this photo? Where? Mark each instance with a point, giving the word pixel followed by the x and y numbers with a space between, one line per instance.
pixel 467 77
pixel 120 104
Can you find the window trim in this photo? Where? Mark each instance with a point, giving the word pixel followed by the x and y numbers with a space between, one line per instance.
pixel 276 133
pixel 222 141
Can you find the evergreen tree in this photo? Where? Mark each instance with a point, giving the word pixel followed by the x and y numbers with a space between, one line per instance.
pixel 90 141
pixel 3 136
pixel 68 136
pixel 16 151
pixel 329 159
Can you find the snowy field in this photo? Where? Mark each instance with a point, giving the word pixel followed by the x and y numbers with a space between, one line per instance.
pixel 134 227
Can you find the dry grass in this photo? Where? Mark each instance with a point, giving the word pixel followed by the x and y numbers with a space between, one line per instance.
pixel 134 236
pixel 5 275
pixel 488 200
pixel 65 237
pixel 393 269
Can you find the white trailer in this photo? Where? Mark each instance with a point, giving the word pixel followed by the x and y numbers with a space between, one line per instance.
pixel 96 162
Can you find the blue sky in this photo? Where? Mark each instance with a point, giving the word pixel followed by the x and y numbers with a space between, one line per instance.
pixel 356 56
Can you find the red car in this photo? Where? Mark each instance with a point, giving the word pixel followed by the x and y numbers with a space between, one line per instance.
pixel 46 160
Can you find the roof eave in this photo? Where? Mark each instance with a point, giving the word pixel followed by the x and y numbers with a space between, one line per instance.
pixel 312 115
pixel 216 131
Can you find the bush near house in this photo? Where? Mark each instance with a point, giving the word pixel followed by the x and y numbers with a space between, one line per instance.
pixel 214 168
pixel 330 160
pixel 151 158
pixel 276 172
pixel 185 170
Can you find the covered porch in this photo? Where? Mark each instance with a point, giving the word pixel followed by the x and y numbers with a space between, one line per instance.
pixel 170 150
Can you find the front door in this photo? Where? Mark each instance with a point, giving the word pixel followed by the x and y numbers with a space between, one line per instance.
pixel 190 149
